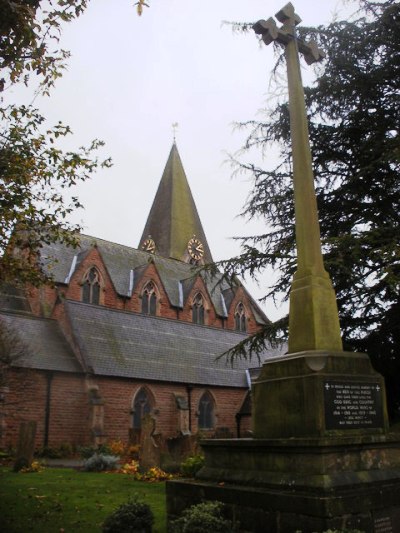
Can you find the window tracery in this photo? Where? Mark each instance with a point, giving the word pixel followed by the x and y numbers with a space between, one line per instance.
pixel 240 318
pixel 91 287
pixel 206 411
pixel 149 299
pixel 141 407
pixel 198 309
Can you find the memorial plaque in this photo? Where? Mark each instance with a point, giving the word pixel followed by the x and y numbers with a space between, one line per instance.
pixel 353 404
pixel 387 520
pixel 383 524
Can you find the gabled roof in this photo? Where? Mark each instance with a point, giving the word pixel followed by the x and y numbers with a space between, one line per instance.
pixel 131 345
pixel 173 218
pixel 119 260
pixel 47 348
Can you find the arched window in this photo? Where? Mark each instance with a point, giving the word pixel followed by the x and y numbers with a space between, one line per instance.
pixel 198 309
pixel 141 407
pixel 91 287
pixel 149 299
pixel 240 318
pixel 206 411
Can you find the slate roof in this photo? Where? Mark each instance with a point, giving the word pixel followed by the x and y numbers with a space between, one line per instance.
pixel 47 348
pixel 117 343
pixel 119 260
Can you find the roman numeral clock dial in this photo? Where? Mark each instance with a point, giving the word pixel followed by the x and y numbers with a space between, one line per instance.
pixel 195 249
pixel 149 245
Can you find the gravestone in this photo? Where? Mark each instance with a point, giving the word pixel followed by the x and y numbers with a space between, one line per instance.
pixel 322 456
pixel 26 445
pixel 182 406
pixel 149 454
pixel 96 406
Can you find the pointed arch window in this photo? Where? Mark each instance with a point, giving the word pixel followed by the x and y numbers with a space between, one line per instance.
pixel 141 406
pixel 240 318
pixel 91 287
pixel 149 299
pixel 206 411
pixel 198 309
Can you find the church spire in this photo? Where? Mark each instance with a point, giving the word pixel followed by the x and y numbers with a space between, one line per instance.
pixel 173 221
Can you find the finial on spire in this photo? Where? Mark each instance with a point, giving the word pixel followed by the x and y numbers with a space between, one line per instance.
pixel 174 128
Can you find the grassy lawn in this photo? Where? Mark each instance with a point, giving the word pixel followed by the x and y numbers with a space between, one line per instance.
pixel 59 499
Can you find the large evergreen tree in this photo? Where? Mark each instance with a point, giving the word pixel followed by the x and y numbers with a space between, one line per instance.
pixel 354 118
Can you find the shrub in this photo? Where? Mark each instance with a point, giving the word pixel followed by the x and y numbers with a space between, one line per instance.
pixel 191 465
pixel 64 450
pixel 49 452
pixel 203 518
pixel 130 517
pixel 100 463
pixel 130 468
pixel 35 466
pixel 154 474
pixel 88 451
pixel 133 451
pixel 116 447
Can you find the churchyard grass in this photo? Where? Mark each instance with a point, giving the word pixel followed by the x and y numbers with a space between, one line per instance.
pixel 57 499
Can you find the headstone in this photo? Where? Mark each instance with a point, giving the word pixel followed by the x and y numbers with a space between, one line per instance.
pixel 183 414
pixel 96 403
pixel 149 454
pixel 26 445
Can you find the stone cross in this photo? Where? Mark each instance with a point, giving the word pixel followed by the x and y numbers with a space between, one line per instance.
pixel 313 316
pixel 174 128
pixel 270 32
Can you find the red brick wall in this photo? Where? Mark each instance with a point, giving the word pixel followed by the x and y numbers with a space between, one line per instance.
pixel 241 296
pixel 70 409
pixel 25 400
pixel 118 396
pixel 43 300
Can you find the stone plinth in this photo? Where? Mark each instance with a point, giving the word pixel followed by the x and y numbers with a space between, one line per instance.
pixel 311 485
pixel 293 396
pixel 324 457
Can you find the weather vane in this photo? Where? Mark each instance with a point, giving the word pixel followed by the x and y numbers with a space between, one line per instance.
pixel 174 128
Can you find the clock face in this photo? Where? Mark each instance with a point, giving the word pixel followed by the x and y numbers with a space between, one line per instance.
pixel 149 246
pixel 195 248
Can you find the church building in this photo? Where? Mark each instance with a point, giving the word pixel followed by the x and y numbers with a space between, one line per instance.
pixel 123 332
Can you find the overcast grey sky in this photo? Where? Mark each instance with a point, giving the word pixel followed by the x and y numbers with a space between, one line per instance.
pixel 131 77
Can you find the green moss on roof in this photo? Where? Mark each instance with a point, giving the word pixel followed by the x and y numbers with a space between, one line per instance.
pixel 173 218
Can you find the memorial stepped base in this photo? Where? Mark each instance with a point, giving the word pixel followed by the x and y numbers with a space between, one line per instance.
pixel 299 485
pixel 322 457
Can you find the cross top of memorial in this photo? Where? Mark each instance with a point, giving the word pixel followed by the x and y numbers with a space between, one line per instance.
pixel 269 32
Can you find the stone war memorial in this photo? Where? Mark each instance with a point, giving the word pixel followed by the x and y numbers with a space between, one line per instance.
pixel 322 456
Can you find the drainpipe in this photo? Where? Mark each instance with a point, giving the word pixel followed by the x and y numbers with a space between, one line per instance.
pixel 47 409
pixel 238 418
pixel 189 389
